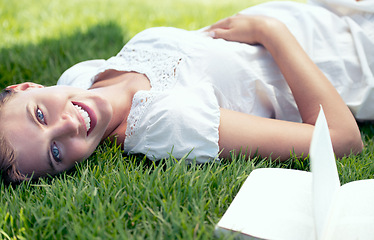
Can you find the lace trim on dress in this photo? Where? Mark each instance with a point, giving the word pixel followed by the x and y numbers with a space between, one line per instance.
pixel 140 103
pixel 161 69
pixel 159 66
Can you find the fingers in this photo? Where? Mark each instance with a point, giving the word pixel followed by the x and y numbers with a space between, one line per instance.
pixel 239 28
pixel 224 24
pixel 221 33
pixel 220 29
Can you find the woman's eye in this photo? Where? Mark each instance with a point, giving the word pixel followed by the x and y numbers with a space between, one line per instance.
pixel 40 116
pixel 56 153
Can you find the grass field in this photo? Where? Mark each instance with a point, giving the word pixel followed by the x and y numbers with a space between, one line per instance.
pixel 112 196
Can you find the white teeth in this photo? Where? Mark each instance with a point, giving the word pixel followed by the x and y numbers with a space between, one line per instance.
pixel 85 116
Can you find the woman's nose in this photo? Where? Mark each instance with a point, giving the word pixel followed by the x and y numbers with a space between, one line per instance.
pixel 67 125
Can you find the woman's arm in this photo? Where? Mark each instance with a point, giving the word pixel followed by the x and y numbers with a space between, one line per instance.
pixel 309 87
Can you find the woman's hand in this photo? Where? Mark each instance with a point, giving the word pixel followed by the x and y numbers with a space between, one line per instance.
pixel 241 28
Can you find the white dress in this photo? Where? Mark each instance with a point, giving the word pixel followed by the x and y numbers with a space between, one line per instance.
pixel 193 75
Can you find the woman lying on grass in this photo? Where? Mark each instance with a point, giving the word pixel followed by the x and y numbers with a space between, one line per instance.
pixel 246 82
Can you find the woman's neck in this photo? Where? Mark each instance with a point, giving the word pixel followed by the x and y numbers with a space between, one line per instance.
pixel 119 89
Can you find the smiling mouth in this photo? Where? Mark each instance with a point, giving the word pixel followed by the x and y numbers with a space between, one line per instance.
pixel 86 117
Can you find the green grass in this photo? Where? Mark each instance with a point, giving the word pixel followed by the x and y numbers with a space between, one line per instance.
pixel 112 196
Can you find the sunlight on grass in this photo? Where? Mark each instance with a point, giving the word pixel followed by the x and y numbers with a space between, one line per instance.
pixel 25 21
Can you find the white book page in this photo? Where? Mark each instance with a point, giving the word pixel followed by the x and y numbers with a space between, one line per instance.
pixel 325 174
pixel 273 204
pixel 352 213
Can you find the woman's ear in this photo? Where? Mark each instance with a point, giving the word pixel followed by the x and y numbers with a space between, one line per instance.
pixel 25 86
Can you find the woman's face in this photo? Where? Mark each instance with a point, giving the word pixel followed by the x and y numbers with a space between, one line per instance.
pixel 52 128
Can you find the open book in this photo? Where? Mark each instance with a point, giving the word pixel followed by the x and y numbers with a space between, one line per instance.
pixel 291 204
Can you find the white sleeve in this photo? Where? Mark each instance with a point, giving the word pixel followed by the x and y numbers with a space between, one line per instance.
pixel 81 74
pixel 182 122
pixel 346 7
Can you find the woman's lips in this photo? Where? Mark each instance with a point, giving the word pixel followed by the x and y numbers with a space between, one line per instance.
pixel 91 115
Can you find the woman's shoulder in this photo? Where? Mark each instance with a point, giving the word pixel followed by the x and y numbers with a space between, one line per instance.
pixel 170 39
pixel 81 74
pixel 158 32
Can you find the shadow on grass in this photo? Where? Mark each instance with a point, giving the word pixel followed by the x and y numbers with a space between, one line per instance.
pixel 367 129
pixel 45 62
